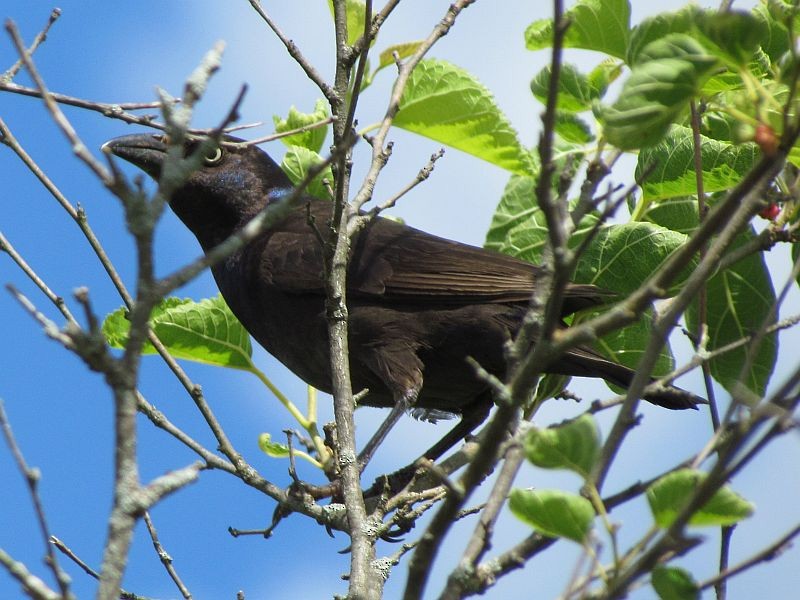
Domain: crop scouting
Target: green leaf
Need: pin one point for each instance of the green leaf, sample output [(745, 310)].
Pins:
[(447, 104), (669, 165), (674, 583), (775, 39), (604, 74), (575, 92), (619, 258), (658, 27), (573, 129), (519, 228), (205, 332), (311, 139), (628, 345), (669, 73), (553, 513), (670, 494), (272, 449), (356, 14), (404, 50), (296, 163), (550, 385), (574, 445), (678, 214), (739, 300), (600, 25), (622, 256), (735, 34)]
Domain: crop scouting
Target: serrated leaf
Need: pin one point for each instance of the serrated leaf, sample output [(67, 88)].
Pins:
[(574, 445), (447, 104), (272, 449), (674, 583), (670, 494), (730, 79), (519, 227), (296, 163), (553, 513), (669, 73), (739, 299), (600, 25), (204, 331), (619, 258), (575, 92), (622, 256), (311, 139), (670, 165)]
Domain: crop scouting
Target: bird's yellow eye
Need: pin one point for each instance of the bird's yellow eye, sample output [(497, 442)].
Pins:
[(213, 157)]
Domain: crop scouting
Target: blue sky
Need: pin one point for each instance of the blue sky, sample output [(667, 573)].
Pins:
[(119, 52)]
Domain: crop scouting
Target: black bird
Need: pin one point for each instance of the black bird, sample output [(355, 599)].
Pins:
[(419, 305)]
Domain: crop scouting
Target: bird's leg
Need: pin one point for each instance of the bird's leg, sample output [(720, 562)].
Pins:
[(402, 404), (473, 415)]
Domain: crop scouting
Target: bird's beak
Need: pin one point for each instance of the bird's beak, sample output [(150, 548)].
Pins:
[(146, 151)]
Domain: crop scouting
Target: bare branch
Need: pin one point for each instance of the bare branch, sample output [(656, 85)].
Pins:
[(78, 147), (37, 41), (165, 558), (31, 476)]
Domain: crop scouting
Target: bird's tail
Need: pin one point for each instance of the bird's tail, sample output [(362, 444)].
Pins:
[(584, 362)]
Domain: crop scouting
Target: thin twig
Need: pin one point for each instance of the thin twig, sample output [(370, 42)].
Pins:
[(423, 174), (767, 554), (32, 476), (37, 41), (78, 147), (165, 558), (57, 300), (294, 52)]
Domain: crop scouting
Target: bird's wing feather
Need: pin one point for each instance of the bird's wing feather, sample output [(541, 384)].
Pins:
[(395, 262)]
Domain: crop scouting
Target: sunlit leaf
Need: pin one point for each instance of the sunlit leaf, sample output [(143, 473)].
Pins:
[(204, 331), (574, 445), (600, 25), (670, 71), (447, 104), (674, 583), (553, 513), (296, 163), (270, 448), (313, 138), (669, 495), (670, 165)]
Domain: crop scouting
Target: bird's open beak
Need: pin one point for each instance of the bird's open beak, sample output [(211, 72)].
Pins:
[(146, 151)]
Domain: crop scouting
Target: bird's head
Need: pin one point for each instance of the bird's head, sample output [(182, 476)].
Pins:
[(233, 183)]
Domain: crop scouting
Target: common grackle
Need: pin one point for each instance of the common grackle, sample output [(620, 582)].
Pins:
[(418, 304)]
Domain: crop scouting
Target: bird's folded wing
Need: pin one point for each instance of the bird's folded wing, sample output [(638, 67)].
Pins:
[(391, 261)]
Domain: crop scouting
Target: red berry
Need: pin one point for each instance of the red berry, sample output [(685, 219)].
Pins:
[(766, 139), (770, 212)]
